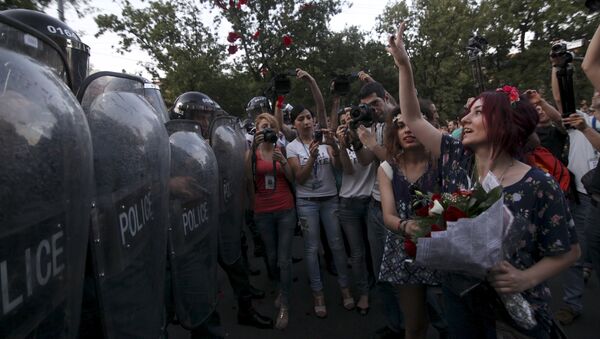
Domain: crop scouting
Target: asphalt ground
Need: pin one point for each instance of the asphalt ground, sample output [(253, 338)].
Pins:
[(340, 323)]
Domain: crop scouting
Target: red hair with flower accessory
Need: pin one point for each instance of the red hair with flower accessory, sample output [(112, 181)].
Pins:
[(511, 91)]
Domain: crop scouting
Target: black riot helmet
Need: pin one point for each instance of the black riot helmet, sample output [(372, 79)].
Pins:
[(196, 106), (256, 106), (77, 52)]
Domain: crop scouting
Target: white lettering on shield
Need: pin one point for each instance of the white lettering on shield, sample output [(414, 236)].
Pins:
[(133, 220), (194, 218), (42, 262)]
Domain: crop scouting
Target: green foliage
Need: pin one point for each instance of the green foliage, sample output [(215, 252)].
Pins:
[(190, 54)]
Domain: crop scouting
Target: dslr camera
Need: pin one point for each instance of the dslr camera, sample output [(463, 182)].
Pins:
[(281, 82), (361, 115), (269, 135)]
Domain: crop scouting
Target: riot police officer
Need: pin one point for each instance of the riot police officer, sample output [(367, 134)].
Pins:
[(228, 143), (47, 181)]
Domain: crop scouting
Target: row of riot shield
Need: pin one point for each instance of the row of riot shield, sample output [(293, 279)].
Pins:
[(101, 190)]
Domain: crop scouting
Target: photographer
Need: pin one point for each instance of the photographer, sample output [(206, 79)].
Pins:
[(582, 158), (355, 194), (269, 178), (312, 156), (550, 129), (591, 67), (374, 95)]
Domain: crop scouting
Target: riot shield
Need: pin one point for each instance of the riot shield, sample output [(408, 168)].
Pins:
[(119, 82), (130, 214), (229, 144), (194, 212), (45, 190)]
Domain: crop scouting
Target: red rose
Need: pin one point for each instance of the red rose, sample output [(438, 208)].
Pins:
[(232, 49), (256, 35), (464, 193), (423, 211), (436, 228), (410, 248), (287, 40), (436, 196), (452, 214), (232, 37)]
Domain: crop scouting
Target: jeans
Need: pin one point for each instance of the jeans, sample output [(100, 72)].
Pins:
[(574, 285), (309, 213), (277, 232), (387, 293), (353, 219), (592, 233)]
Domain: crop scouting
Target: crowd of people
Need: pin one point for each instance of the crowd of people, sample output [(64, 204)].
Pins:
[(356, 181), (351, 184)]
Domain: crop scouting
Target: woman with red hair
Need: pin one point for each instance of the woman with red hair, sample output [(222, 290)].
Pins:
[(495, 129)]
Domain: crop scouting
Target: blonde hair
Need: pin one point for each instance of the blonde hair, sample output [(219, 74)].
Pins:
[(270, 119)]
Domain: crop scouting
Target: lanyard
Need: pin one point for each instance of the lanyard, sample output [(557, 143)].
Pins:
[(315, 168)]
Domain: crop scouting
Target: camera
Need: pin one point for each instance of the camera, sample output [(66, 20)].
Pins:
[(361, 115), (319, 136), (560, 51), (281, 82), (341, 83), (475, 46), (269, 135)]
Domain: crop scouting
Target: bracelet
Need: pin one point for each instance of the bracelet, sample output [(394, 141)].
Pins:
[(402, 226), (283, 163)]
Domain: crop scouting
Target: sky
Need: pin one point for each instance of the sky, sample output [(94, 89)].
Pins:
[(103, 57)]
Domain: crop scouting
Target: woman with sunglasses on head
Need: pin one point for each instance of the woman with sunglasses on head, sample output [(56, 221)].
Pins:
[(409, 168), (312, 156), (269, 180), (495, 128)]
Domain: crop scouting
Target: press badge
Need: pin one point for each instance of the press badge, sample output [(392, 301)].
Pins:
[(269, 182)]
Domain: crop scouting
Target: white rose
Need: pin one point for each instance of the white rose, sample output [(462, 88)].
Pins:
[(437, 208)]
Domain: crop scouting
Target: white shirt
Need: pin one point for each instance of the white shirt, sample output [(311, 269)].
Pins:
[(360, 182), (321, 182), (379, 127), (582, 156)]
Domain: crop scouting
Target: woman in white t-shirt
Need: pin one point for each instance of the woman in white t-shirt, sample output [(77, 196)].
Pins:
[(312, 163), (355, 195)]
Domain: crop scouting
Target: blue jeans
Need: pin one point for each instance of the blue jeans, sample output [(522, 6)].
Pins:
[(277, 232), (309, 213), (386, 291), (574, 285), (353, 219)]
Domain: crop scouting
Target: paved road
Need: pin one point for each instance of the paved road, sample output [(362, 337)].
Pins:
[(348, 324)]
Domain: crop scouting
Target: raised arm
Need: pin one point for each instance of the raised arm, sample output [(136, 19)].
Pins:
[(427, 134), (591, 61), (333, 115), (289, 133), (317, 96)]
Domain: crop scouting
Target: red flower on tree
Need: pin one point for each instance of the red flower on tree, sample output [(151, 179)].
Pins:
[(287, 40), (232, 37), (256, 35), (232, 49)]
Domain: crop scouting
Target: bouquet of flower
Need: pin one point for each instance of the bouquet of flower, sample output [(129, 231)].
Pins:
[(434, 210), (469, 232)]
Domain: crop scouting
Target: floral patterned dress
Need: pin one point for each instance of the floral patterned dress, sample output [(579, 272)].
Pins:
[(543, 225), (396, 266)]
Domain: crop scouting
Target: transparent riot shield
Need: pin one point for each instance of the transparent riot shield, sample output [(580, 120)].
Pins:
[(45, 190), (194, 212), (119, 82), (229, 144), (130, 214)]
